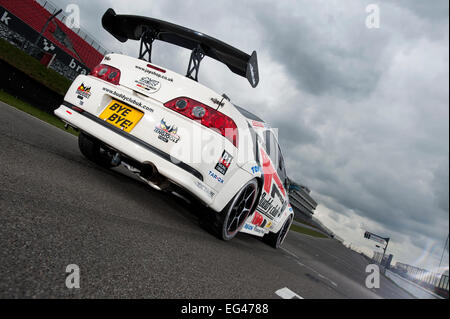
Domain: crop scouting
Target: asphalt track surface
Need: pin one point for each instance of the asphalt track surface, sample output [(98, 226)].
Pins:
[(130, 241)]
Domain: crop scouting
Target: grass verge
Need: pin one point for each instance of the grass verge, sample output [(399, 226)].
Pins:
[(307, 231), (34, 111), (33, 68), (305, 223)]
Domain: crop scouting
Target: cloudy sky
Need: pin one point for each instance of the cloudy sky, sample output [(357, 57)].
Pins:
[(363, 113)]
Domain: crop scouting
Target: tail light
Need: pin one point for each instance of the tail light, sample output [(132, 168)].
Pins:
[(106, 73), (206, 115)]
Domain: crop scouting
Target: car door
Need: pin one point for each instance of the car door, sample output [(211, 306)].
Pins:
[(273, 198), (284, 180)]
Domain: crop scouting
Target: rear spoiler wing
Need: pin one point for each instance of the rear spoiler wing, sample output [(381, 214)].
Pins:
[(124, 27)]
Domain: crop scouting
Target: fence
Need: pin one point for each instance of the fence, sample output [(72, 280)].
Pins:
[(52, 8), (24, 37), (414, 289)]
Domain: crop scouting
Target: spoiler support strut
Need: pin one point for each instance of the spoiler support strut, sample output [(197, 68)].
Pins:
[(146, 30), (146, 45), (197, 55)]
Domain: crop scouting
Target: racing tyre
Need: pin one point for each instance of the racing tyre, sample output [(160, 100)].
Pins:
[(230, 220), (276, 239), (92, 150)]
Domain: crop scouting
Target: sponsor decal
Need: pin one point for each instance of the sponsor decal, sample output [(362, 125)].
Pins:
[(276, 192), (224, 163), (258, 124), (5, 19), (128, 99), (258, 230), (252, 73), (154, 73), (217, 101), (257, 219), (269, 224), (107, 58), (270, 173), (77, 67), (266, 206), (48, 46), (148, 84), (256, 169), (263, 223), (167, 132), (249, 227), (83, 91), (284, 204), (204, 188), (217, 178)]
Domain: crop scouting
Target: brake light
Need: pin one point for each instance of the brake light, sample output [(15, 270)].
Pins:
[(156, 68), (207, 116), (106, 73)]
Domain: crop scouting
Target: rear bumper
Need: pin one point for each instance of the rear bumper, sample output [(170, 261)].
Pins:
[(176, 171)]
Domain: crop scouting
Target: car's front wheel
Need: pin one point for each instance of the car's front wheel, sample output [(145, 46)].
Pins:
[(91, 149), (230, 220), (276, 239)]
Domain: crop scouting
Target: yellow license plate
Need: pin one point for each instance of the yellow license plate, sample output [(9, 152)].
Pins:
[(121, 115)]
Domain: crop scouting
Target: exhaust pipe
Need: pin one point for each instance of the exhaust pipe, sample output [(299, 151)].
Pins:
[(150, 173)]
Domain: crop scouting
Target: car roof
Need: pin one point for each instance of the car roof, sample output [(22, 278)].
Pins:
[(248, 114)]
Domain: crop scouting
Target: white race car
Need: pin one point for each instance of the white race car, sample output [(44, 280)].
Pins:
[(171, 130)]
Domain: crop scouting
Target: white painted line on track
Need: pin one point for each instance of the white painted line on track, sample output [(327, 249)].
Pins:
[(313, 270), (318, 274), (290, 253), (38, 119), (286, 293)]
